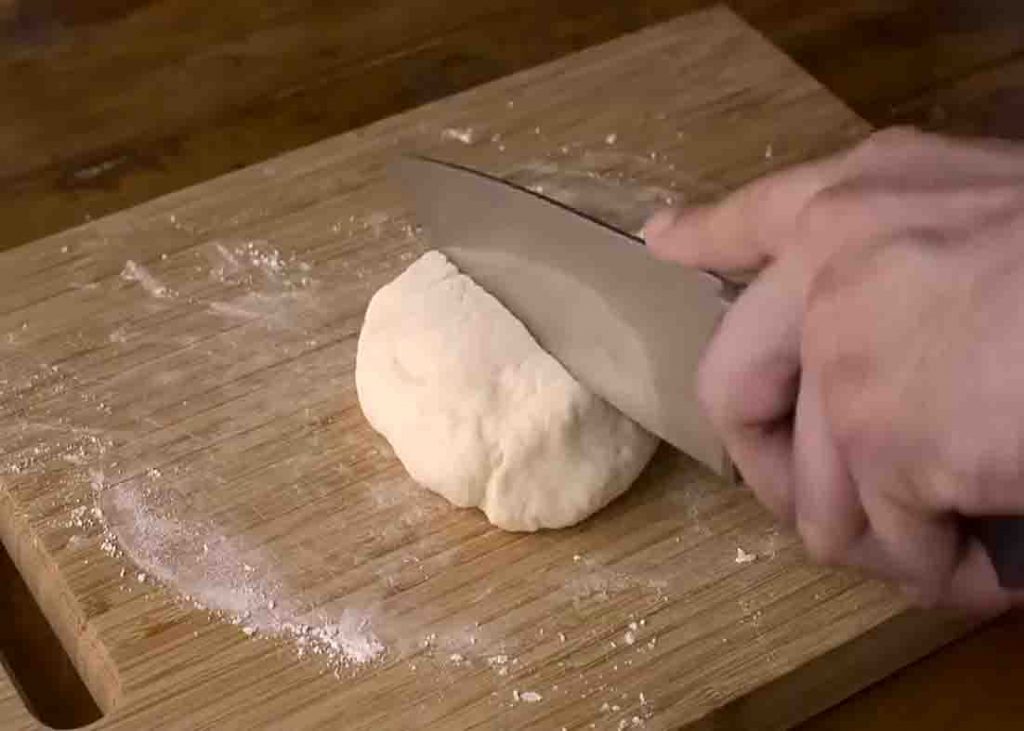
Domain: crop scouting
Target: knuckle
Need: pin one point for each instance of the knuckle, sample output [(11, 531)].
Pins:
[(955, 482), (860, 269), (972, 477), (832, 275), (944, 487), (844, 202), (826, 547), (892, 138), (709, 395), (924, 595), (857, 424), (884, 144), (826, 281), (1002, 199), (822, 212)]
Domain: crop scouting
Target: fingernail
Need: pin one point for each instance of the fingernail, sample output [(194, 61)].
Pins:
[(659, 223)]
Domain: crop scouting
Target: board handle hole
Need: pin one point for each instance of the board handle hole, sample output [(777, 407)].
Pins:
[(36, 661)]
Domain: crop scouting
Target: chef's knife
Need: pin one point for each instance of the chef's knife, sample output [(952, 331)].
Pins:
[(628, 326)]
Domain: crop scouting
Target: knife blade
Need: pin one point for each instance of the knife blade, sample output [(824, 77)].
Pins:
[(628, 326)]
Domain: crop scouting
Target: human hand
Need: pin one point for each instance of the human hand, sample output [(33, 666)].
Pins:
[(869, 383)]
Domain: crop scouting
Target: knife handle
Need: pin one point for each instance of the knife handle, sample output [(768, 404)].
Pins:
[(1003, 539)]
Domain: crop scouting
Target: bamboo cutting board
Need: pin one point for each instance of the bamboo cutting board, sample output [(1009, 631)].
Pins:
[(220, 540)]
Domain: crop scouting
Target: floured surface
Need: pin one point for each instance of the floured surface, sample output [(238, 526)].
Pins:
[(220, 538)]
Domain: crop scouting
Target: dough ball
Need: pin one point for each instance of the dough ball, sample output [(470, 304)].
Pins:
[(479, 413)]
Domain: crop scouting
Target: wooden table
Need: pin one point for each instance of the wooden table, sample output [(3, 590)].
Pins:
[(103, 116)]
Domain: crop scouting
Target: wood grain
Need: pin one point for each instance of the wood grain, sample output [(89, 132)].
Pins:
[(115, 102), (216, 389)]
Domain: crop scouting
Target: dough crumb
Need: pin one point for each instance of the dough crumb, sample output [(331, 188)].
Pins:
[(465, 135), (744, 557)]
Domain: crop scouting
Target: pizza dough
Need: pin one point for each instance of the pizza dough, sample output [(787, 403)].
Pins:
[(479, 413)]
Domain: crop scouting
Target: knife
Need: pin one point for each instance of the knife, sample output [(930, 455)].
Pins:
[(630, 327)]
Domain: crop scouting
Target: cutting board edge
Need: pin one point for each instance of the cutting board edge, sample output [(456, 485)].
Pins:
[(847, 669), (60, 607)]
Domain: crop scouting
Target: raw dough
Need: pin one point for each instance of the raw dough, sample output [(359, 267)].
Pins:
[(479, 413)]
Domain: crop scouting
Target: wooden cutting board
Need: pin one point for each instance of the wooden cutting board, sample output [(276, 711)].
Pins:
[(219, 538)]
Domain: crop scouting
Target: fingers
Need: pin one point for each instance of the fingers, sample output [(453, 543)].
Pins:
[(974, 586), (829, 515), (903, 153), (922, 546), (927, 559), (748, 382), (906, 544), (971, 585), (748, 228), (854, 195), (841, 522), (867, 210)]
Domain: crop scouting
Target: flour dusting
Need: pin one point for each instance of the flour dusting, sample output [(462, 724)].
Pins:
[(221, 574), (465, 135), (600, 582), (257, 264), (135, 272)]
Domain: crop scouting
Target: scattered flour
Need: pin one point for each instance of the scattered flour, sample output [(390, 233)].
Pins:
[(465, 135), (257, 264), (593, 185), (134, 272), (226, 577), (599, 582)]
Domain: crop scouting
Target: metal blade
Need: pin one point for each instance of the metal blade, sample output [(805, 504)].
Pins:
[(629, 327)]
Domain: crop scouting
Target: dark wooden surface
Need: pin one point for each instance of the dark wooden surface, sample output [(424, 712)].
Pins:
[(107, 103), (111, 102)]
